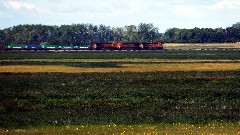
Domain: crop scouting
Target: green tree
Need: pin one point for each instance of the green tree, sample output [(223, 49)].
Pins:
[(148, 33), (131, 34)]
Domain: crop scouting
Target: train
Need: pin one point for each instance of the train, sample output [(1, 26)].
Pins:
[(95, 46)]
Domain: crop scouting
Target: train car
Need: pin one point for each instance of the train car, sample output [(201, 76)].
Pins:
[(152, 46), (82, 47), (104, 46), (132, 46), (129, 46), (62, 47), (3, 47), (50, 47), (24, 47), (33, 47), (16, 47)]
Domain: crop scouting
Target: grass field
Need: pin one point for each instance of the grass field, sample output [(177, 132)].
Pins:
[(163, 92), (132, 130), (163, 54), (118, 65), (200, 46)]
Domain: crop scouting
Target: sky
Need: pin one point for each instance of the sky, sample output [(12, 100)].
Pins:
[(164, 14)]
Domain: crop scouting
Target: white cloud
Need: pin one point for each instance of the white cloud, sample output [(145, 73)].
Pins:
[(230, 4), (186, 11), (20, 5)]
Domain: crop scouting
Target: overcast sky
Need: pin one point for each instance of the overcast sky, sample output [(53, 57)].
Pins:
[(164, 14)]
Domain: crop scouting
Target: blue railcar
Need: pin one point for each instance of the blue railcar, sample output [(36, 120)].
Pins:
[(33, 47)]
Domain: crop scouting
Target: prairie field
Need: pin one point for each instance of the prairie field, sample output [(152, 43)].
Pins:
[(131, 92), (200, 46), (119, 65), (127, 68), (131, 130)]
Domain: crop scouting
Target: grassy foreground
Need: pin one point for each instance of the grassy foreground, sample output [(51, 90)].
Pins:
[(163, 54), (178, 128), (38, 99), (164, 92)]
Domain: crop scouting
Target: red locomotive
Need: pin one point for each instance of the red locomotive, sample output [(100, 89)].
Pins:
[(105, 46), (127, 46)]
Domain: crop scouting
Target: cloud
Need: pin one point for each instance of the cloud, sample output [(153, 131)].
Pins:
[(230, 4), (186, 11), (20, 5), (16, 5), (106, 12)]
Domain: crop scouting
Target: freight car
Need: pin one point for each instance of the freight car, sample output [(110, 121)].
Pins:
[(16, 47), (24, 47), (63, 47)]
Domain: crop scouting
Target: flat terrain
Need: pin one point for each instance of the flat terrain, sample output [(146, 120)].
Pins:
[(131, 130), (201, 46), (164, 92), (119, 65)]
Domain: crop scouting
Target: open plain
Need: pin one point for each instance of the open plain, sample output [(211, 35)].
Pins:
[(131, 92)]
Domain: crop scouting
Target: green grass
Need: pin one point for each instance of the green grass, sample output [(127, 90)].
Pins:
[(69, 64), (111, 103), (40, 99), (163, 54)]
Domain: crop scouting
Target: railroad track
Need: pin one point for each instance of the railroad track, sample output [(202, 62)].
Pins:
[(185, 49)]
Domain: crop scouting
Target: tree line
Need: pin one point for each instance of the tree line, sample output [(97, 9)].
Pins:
[(85, 34), (203, 35)]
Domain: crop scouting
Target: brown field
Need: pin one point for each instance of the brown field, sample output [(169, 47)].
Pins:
[(127, 68), (165, 129), (135, 65), (207, 45)]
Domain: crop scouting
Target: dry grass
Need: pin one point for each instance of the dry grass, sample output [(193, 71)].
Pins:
[(137, 65), (183, 67), (207, 45), (131, 129), (128, 68)]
